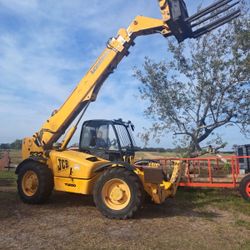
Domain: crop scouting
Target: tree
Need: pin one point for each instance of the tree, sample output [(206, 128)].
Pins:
[(17, 144), (206, 85), (5, 146)]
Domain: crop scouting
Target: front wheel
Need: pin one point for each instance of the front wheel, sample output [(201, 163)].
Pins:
[(245, 188), (118, 193), (34, 182)]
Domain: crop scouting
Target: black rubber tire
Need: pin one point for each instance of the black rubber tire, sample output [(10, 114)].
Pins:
[(243, 185), (136, 189), (45, 182)]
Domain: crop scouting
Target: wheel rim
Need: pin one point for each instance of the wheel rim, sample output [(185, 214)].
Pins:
[(30, 183), (248, 189), (116, 194)]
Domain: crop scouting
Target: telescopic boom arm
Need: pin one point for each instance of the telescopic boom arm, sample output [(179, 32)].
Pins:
[(175, 21), (88, 88)]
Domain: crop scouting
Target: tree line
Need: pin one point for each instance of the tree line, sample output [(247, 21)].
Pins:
[(17, 144)]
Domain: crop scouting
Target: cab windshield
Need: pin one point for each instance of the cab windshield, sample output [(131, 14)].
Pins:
[(105, 135)]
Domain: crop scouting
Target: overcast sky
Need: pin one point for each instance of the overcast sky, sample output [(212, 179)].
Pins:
[(46, 46)]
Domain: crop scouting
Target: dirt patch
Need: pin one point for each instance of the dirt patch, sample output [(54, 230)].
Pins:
[(71, 221)]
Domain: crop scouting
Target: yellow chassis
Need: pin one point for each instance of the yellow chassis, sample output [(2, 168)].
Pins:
[(77, 172)]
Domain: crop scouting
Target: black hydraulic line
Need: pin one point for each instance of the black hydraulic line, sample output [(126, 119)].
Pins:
[(83, 112)]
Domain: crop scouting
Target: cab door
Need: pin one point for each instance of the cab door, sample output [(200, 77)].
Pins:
[(98, 138)]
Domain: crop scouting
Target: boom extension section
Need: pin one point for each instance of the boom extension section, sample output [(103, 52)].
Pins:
[(175, 21)]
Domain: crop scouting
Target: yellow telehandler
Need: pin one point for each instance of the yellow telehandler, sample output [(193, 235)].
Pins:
[(103, 165)]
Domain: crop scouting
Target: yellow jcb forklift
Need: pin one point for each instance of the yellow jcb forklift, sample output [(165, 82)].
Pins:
[(103, 165)]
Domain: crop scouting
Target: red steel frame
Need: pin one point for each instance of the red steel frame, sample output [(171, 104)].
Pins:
[(211, 165)]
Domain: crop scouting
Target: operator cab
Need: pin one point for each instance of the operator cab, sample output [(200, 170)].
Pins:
[(111, 140)]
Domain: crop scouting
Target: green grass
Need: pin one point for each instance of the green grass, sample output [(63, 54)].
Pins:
[(243, 223), (224, 199), (245, 246), (7, 178), (5, 174), (147, 155)]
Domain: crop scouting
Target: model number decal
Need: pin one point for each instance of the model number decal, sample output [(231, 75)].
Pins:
[(62, 164), (70, 184)]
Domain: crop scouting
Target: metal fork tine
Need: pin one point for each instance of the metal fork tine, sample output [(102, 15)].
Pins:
[(215, 24), (208, 10), (215, 14)]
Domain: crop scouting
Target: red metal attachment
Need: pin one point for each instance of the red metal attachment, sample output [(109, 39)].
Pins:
[(213, 172), (248, 189)]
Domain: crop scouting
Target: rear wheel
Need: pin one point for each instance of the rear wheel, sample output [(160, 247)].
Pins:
[(245, 188), (118, 193), (34, 183)]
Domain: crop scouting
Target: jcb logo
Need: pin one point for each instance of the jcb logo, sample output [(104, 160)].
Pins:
[(62, 164)]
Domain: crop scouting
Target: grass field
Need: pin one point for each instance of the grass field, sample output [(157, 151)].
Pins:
[(152, 155), (194, 219), (15, 156)]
